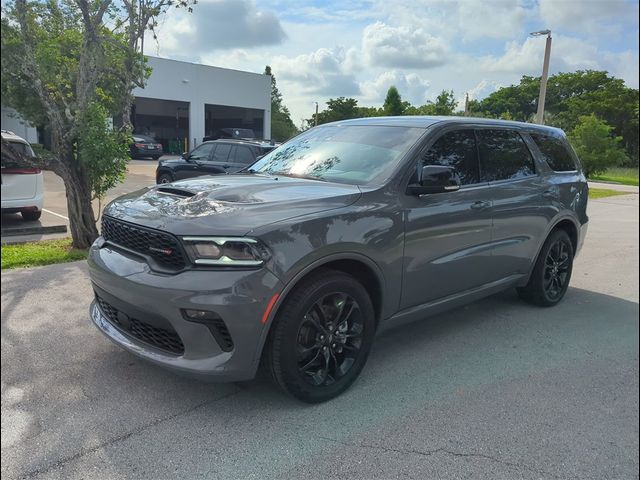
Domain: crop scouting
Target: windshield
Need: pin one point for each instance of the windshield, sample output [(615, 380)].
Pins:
[(355, 154)]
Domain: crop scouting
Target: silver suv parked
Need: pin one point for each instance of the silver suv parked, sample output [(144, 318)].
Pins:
[(346, 229)]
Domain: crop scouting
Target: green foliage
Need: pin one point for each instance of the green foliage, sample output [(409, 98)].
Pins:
[(393, 104), (282, 127), (624, 176), (595, 193), (340, 108), (570, 96), (40, 253), (102, 151), (597, 148)]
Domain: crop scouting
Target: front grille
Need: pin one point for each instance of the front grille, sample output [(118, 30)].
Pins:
[(163, 247), (161, 338)]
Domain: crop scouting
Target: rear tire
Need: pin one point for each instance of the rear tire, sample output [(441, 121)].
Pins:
[(321, 337), (164, 178), (31, 215), (551, 274)]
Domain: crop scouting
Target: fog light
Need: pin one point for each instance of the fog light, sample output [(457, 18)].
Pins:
[(200, 315)]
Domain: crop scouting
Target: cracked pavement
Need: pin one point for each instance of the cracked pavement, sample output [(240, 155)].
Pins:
[(497, 389)]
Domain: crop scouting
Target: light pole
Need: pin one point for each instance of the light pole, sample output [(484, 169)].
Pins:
[(316, 117), (545, 74)]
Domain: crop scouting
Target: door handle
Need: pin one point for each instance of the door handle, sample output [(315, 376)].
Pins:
[(549, 194), (480, 205)]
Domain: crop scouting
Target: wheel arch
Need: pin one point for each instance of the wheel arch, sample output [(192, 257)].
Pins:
[(566, 223), (359, 266)]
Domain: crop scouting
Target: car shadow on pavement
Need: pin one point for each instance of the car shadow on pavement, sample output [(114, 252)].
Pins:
[(70, 396)]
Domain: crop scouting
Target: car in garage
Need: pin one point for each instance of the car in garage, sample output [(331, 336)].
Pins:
[(213, 158), (144, 146), (349, 228), (22, 187)]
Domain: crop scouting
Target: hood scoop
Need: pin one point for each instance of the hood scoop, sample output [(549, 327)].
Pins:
[(176, 192)]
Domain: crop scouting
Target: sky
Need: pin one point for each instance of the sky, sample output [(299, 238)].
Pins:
[(356, 48)]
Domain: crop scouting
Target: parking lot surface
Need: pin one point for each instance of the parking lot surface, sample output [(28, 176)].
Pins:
[(498, 389)]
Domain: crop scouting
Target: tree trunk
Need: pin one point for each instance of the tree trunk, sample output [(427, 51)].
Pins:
[(82, 220)]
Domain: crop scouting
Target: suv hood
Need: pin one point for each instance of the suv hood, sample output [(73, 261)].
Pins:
[(228, 204)]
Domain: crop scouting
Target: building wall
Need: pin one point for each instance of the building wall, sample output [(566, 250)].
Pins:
[(201, 85), (13, 122)]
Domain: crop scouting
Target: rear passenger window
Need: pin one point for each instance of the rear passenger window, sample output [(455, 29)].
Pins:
[(456, 149), (555, 153), (503, 155), (243, 155)]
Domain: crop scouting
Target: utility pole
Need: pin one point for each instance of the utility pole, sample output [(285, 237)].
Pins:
[(545, 75), (316, 117), (466, 104)]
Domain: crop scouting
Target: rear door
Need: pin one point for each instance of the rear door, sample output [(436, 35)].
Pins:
[(241, 157), (19, 183), (521, 209), (448, 235), (219, 161)]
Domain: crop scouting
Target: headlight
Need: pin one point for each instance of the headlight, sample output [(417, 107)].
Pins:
[(225, 251)]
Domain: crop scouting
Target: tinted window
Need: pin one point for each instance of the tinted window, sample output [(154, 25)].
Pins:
[(202, 152), (222, 152), (356, 154), (243, 155), (503, 155), (555, 152), (458, 150)]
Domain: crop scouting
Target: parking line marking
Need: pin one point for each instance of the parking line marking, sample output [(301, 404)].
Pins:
[(54, 213)]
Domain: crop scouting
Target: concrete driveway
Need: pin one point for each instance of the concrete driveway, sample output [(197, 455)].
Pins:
[(497, 390)]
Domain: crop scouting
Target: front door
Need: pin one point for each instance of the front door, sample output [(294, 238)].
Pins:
[(448, 235), (193, 167)]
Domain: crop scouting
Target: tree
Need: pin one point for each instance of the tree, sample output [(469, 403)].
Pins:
[(570, 96), (393, 102), (282, 127), (340, 108), (596, 147), (67, 63)]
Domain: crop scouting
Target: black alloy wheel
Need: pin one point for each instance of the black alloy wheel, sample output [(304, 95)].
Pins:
[(551, 274), (329, 338), (321, 336)]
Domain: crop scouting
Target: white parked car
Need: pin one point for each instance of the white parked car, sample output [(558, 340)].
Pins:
[(22, 188)]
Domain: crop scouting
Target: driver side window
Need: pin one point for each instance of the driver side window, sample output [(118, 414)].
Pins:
[(202, 152), (456, 149)]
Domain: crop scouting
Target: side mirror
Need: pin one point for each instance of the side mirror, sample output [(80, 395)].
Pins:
[(435, 179), (185, 155)]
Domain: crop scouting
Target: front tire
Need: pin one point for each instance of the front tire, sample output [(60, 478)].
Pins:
[(321, 337), (164, 178), (551, 274)]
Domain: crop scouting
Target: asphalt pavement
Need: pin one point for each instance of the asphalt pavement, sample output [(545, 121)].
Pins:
[(498, 389)]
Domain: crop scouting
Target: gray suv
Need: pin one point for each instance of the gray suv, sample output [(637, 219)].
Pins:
[(347, 229)]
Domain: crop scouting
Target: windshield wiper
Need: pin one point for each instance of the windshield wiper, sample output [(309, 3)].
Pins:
[(305, 177)]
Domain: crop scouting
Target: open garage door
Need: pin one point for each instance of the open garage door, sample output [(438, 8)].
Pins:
[(222, 121), (165, 120)]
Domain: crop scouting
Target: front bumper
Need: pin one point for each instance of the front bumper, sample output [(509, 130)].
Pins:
[(158, 300)]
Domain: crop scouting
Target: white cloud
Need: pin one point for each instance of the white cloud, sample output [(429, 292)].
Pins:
[(324, 71), (412, 87), (217, 25), (578, 15), (498, 19), (401, 47)]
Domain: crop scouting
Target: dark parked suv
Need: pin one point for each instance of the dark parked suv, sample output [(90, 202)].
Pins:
[(212, 158), (346, 229)]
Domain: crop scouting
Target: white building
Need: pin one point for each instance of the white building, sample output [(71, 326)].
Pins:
[(184, 102), (12, 121)]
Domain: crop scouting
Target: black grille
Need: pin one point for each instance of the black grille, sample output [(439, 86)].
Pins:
[(167, 340), (223, 336), (163, 247)]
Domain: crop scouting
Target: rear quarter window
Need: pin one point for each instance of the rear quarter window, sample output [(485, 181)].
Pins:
[(555, 152)]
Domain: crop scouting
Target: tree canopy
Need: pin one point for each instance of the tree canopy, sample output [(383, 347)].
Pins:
[(282, 127)]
